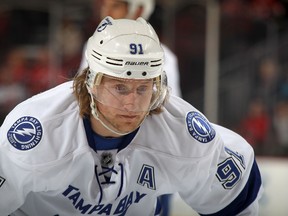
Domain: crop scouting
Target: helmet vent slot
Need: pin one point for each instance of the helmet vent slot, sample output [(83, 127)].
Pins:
[(96, 55), (156, 63), (113, 61)]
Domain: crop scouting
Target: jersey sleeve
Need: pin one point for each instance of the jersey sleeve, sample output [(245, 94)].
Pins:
[(12, 180), (19, 174), (15, 177), (228, 179)]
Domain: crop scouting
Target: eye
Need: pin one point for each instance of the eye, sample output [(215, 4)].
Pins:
[(142, 89), (121, 89)]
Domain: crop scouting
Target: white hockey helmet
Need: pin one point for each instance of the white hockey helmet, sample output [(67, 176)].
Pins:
[(124, 48), (148, 7)]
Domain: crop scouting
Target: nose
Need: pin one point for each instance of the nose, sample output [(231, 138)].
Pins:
[(131, 102)]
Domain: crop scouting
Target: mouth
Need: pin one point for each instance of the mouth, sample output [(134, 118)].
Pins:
[(129, 116)]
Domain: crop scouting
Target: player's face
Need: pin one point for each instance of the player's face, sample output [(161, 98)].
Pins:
[(114, 8), (123, 103)]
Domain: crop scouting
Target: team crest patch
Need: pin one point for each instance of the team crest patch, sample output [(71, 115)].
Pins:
[(25, 133), (199, 127)]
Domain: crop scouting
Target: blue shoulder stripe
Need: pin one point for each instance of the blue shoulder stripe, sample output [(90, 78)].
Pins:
[(245, 198)]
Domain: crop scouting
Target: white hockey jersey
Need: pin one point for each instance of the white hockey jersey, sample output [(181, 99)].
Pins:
[(49, 167)]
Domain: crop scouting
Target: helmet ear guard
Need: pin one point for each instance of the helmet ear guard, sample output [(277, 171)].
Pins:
[(163, 91)]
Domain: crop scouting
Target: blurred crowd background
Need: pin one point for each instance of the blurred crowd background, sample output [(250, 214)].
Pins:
[(42, 40)]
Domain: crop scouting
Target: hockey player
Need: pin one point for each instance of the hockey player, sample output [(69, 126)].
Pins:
[(133, 9), (112, 141)]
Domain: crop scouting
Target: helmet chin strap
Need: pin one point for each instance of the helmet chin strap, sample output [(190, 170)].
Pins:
[(95, 114)]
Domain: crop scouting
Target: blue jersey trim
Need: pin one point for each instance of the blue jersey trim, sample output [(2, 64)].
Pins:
[(245, 198), (106, 143)]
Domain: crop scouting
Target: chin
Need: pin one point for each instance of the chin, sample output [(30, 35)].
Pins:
[(128, 128)]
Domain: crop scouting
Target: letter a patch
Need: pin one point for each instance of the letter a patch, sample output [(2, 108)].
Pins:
[(147, 177)]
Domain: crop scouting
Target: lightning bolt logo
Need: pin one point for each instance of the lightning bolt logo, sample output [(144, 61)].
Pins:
[(25, 133), (199, 127), (103, 25)]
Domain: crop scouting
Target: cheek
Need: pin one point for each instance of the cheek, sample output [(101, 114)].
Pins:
[(147, 100), (104, 110), (107, 98), (108, 111)]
